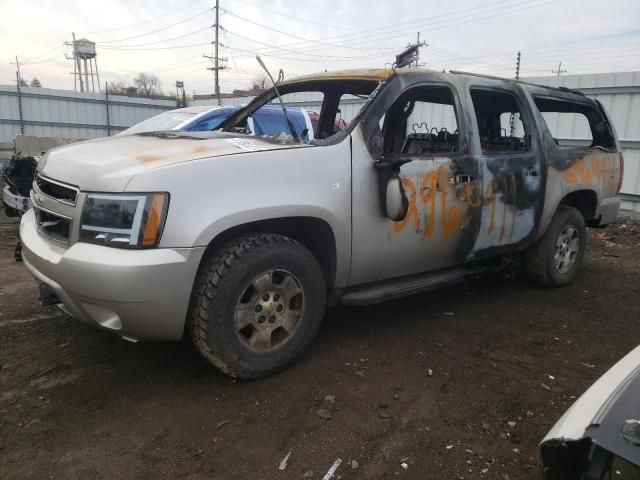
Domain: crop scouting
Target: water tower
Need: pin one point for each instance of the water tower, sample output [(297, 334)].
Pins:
[(84, 61)]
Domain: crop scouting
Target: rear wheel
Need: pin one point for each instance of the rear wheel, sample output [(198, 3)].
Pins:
[(556, 259), (257, 305)]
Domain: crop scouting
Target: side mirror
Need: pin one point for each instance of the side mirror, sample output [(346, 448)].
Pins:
[(396, 201), (393, 198)]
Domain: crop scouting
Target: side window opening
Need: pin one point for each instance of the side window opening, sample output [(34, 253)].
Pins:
[(500, 123), (422, 121), (573, 124)]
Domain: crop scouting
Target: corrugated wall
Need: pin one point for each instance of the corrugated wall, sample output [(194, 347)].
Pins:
[(63, 113)]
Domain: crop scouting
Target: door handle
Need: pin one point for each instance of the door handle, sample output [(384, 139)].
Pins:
[(460, 179)]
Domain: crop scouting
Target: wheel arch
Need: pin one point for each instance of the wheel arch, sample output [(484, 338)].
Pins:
[(314, 233), (585, 200)]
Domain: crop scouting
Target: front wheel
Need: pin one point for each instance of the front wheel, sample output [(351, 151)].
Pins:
[(257, 304), (556, 259)]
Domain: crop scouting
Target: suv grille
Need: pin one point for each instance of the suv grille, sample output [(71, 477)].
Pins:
[(54, 226), (56, 190)]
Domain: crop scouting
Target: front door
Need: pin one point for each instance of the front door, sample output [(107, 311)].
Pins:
[(420, 128)]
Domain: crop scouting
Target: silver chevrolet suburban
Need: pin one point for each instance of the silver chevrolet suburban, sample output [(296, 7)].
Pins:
[(240, 241)]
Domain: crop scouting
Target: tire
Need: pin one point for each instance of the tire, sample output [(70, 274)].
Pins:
[(231, 290), (542, 264)]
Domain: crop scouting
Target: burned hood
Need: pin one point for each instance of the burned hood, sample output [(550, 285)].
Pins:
[(107, 164)]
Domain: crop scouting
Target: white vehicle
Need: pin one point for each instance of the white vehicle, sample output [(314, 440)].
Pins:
[(600, 428)]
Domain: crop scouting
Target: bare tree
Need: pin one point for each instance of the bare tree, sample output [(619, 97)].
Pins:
[(23, 82), (148, 85), (117, 87), (260, 83)]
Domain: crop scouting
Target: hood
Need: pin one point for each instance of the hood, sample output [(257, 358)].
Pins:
[(108, 164)]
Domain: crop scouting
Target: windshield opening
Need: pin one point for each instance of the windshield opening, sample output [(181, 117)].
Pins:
[(318, 110), (162, 122)]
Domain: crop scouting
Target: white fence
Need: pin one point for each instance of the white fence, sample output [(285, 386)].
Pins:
[(47, 112), (64, 113)]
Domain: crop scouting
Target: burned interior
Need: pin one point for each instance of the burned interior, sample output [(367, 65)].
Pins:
[(407, 124), (497, 113)]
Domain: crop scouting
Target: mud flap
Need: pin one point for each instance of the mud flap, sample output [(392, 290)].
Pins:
[(47, 296)]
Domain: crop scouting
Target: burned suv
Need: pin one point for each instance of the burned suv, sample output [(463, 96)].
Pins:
[(241, 241)]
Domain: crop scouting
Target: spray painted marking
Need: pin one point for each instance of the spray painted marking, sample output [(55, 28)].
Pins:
[(593, 169), (244, 144), (432, 193)]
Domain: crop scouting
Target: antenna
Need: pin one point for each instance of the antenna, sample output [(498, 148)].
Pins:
[(275, 87)]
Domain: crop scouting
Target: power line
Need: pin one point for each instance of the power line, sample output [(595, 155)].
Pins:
[(365, 35), (143, 22), (292, 17), (307, 40), (157, 30), (156, 48), (126, 47), (299, 52)]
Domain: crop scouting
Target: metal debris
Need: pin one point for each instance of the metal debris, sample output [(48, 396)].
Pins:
[(332, 470), (283, 463)]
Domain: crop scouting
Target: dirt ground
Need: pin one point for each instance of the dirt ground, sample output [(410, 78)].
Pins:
[(427, 387)]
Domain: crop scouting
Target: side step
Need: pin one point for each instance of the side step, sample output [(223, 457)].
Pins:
[(378, 292)]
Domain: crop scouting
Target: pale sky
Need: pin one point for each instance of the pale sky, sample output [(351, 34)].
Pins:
[(587, 36)]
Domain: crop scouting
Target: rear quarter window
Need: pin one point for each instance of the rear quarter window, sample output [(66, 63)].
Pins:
[(575, 124)]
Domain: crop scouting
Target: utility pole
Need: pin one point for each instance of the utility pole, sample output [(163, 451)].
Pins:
[(17, 64), (512, 119), (18, 79), (216, 58), (559, 71), (419, 44)]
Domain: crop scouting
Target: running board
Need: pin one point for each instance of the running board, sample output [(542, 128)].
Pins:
[(378, 292)]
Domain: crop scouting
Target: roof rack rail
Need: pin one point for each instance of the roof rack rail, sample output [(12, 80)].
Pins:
[(513, 80)]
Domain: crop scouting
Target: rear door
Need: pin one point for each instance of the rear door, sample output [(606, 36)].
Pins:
[(512, 164)]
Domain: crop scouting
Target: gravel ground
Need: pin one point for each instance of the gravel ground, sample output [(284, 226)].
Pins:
[(458, 383)]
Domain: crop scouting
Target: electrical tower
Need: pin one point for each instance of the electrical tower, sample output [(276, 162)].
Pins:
[(559, 71), (218, 63), (84, 58)]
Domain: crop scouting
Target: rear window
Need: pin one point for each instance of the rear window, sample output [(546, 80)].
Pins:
[(574, 124)]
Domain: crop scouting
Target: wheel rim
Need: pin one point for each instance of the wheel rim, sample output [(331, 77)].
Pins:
[(269, 311), (567, 247)]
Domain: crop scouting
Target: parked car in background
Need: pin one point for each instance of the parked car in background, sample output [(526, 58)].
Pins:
[(241, 240), (268, 120), (600, 433)]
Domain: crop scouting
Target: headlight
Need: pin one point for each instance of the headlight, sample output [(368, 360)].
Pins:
[(124, 221)]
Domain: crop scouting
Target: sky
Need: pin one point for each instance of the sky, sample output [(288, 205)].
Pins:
[(168, 38)]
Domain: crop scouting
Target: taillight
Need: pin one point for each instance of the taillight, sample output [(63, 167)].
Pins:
[(621, 173)]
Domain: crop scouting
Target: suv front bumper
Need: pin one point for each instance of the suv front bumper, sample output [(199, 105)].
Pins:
[(138, 294), (15, 202)]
